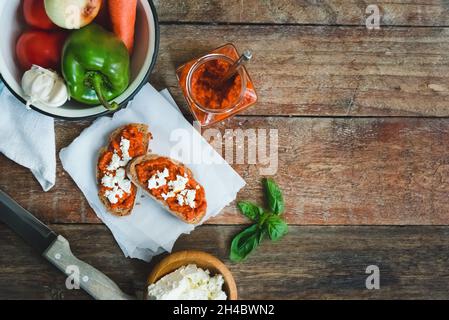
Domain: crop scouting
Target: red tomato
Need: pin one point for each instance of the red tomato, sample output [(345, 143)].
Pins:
[(36, 16), (41, 48)]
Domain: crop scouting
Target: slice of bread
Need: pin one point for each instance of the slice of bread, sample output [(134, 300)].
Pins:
[(113, 136), (132, 174), (141, 127)]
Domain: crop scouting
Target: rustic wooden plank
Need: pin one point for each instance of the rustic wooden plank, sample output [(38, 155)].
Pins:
[(351, 12), (320, 71), (310, 263), (333, 172)]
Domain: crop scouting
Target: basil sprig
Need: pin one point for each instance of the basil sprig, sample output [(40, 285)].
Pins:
[(274, 196), (266, 222)]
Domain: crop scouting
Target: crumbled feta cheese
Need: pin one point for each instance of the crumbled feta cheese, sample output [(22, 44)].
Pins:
[(190, 198), (114, 194), (108, 181), (118, 183), (158, 180), (179, 184), (152, 183), (171, 194), (125, 185), (187, 197), (188, 283), (165, 173), (122, 182), (177, 188), (115, 162), (180, 199), (124, 147)]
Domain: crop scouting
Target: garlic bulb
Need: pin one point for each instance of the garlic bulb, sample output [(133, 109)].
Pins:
[(44, 86)]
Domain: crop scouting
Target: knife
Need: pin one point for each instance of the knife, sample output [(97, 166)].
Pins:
[(56, 249)]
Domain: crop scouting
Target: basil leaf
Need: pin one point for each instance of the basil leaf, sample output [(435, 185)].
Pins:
[(276, 227), (274, 196), (250, 210), (262, 235), (244, 243)]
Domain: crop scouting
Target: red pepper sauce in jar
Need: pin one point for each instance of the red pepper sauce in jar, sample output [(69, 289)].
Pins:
[(207, 90), (209, 99)]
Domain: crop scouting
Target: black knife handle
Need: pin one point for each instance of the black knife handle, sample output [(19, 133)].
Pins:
[(89, 279)]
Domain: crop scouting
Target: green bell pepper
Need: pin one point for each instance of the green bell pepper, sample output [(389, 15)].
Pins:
[(96, 66)]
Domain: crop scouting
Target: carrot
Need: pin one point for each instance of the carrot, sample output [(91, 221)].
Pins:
[(123, 20)]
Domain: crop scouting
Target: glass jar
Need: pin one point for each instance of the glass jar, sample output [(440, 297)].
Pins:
[(210, 99)]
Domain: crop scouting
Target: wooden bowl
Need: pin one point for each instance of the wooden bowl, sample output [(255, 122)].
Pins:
[(203, 260)]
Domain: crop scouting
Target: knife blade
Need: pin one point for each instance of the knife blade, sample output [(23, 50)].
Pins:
[(33, 231), (56, 249)]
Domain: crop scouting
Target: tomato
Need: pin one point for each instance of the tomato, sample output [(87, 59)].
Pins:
[(36, 16), (41, 48)]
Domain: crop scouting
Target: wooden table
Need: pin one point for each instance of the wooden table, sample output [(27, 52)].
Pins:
[(363, 126)]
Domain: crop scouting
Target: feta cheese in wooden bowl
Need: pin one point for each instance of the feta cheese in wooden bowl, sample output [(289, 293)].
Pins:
[(191, 275)]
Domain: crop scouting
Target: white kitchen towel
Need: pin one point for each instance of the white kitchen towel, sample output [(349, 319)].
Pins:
[(28, 138), (150, 229)]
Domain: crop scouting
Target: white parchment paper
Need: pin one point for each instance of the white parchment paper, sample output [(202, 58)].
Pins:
[(150, 229)]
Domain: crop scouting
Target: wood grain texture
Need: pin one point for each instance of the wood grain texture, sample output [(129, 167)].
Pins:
[(327, 12), (309, 263), (333, 172), (312, 59), (319, 71)]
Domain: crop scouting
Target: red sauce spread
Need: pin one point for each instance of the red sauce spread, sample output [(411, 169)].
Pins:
[(207, 89), (137, 148), (125, 202), (148, 169)]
